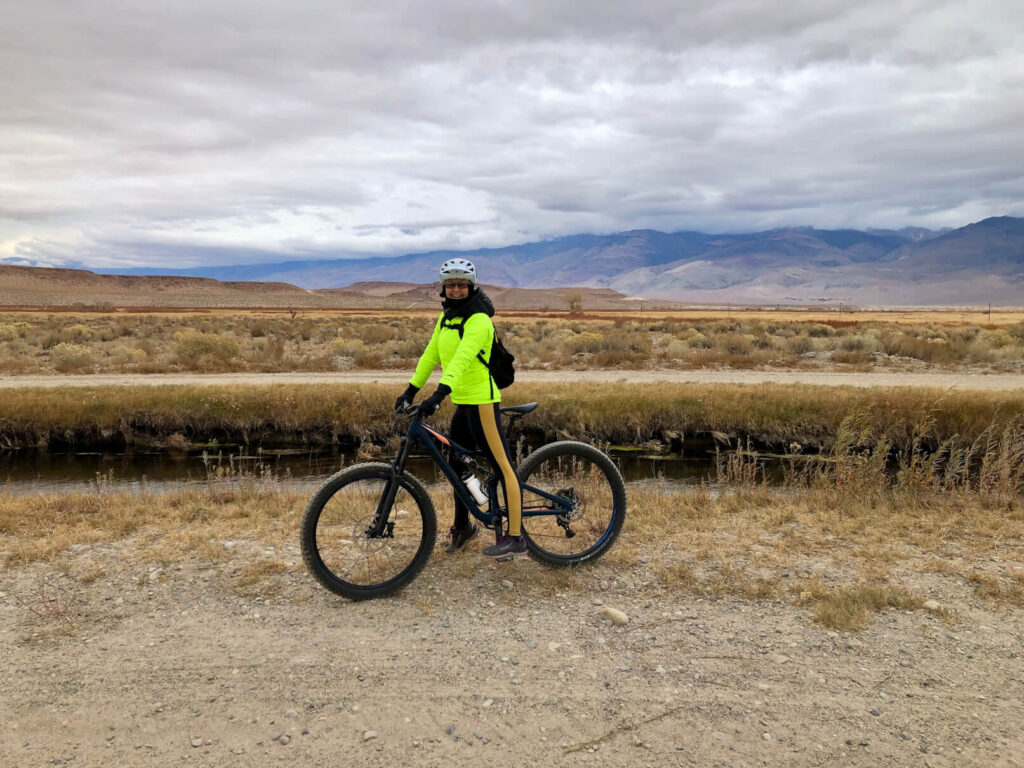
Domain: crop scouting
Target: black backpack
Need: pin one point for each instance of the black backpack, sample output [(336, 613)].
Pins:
[(502, 365)]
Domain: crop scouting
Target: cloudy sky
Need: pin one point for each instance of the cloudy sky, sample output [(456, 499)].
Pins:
[(223, 131)]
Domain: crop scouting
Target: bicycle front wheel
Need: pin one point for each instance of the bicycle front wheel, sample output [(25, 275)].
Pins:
[(589, 480), (340, 551)]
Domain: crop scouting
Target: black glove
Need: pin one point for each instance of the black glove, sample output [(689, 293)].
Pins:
[(405, 399), (430, 406)]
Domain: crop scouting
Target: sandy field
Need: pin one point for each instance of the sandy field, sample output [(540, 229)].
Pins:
[(154, 666), (981, 381)]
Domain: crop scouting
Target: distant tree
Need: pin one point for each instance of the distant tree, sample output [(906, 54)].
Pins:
[(575, 302)]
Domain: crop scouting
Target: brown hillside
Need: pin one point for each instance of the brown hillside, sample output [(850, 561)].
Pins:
[(50, 287)]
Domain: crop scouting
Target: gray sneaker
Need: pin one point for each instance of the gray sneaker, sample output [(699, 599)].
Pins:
[(507, 546), (459, 538)]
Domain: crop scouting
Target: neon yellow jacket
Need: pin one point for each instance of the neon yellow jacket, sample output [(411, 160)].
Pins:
[(461, 369)]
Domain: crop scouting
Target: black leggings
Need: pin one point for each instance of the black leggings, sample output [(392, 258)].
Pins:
[(478, 427)]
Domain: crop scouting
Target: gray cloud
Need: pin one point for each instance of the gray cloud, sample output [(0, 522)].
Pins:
[(187, 132)]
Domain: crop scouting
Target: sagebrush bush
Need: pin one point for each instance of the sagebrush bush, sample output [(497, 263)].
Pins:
[(347, 347), (129, 356), (192, 346), (734, 344), (76, 333), (800, 345), (66, 357)]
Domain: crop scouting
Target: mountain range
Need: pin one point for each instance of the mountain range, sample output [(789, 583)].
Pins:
[(979, 263)]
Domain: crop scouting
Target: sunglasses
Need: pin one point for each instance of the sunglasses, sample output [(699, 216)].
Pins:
[(457, 284)]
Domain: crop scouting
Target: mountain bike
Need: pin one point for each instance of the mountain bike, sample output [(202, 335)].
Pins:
[(370, 528)]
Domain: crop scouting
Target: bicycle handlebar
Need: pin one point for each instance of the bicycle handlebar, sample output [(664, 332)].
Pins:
[(409, 409)]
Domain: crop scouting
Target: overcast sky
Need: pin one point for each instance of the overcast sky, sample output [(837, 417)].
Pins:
[(198, 132)]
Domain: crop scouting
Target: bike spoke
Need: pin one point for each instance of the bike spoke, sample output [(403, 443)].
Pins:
[(346, 549), (588, 512)]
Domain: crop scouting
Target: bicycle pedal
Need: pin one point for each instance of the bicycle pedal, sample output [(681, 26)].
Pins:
[(508, 558)]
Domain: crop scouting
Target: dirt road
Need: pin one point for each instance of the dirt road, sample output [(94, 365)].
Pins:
[(182, 665), (974, 381)]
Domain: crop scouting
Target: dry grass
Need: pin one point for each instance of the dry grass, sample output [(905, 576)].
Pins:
[(845, 550), (260, 341), (850, 608)]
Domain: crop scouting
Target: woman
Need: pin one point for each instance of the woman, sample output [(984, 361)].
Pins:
[(463, 330)]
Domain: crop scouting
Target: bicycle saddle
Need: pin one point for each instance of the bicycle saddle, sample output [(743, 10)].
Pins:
[(522, 410)]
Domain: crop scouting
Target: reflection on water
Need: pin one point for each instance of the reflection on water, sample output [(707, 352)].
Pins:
[(141, 472)]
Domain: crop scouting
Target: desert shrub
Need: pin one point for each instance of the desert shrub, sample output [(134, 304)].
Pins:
[(1016, 331), (699, 341), (585, 342), (800, 345), (685, 333), (375, 333), (346, 347), (192, 345), (407, 348), (76, 333), (8, 332), (124, 326), (762, 340), (268, 350), (676, 349), (66, 357), (128, 356), (928, 350), (660, 340), (852, 357), (996, 339), (734, 344), (49, 339), (819, 330), (612, 358), (369, 359), (967, 333), (858, 343), (305, 330)]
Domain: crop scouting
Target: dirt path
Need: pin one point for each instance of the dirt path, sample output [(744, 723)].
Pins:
[(184, 666), (974, 381)]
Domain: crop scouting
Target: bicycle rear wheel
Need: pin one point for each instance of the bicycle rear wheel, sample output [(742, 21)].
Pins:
[(588, 477), (341, 554)]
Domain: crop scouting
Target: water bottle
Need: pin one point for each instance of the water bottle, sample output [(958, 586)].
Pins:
[(473, 484)]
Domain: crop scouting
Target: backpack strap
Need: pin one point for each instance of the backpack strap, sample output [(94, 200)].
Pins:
[(461, 328)]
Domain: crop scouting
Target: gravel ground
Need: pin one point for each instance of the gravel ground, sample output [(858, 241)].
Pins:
[(180, 665)]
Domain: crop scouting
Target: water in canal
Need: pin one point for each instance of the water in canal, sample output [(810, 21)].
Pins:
[(156, 472)]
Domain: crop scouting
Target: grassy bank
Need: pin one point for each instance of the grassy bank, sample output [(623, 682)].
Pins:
[(774, 416)]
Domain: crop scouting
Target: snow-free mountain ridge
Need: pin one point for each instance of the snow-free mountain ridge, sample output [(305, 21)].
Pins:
[(977, 263)]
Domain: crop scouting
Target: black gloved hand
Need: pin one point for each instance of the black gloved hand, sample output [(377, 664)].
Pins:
[(430, 406), (405, 399)]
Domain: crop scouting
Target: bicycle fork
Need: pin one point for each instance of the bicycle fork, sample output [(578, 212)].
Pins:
[(382, 527)]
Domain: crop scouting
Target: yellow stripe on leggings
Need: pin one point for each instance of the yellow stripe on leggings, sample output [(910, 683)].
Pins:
[(513, 499)]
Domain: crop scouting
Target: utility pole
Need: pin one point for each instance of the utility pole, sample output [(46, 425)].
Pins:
[(990, 313)]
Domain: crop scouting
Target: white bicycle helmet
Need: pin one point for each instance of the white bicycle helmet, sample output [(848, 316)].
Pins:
[(458, 269)]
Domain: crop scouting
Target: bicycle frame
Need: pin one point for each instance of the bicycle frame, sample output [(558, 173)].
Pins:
[(430, 438)]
